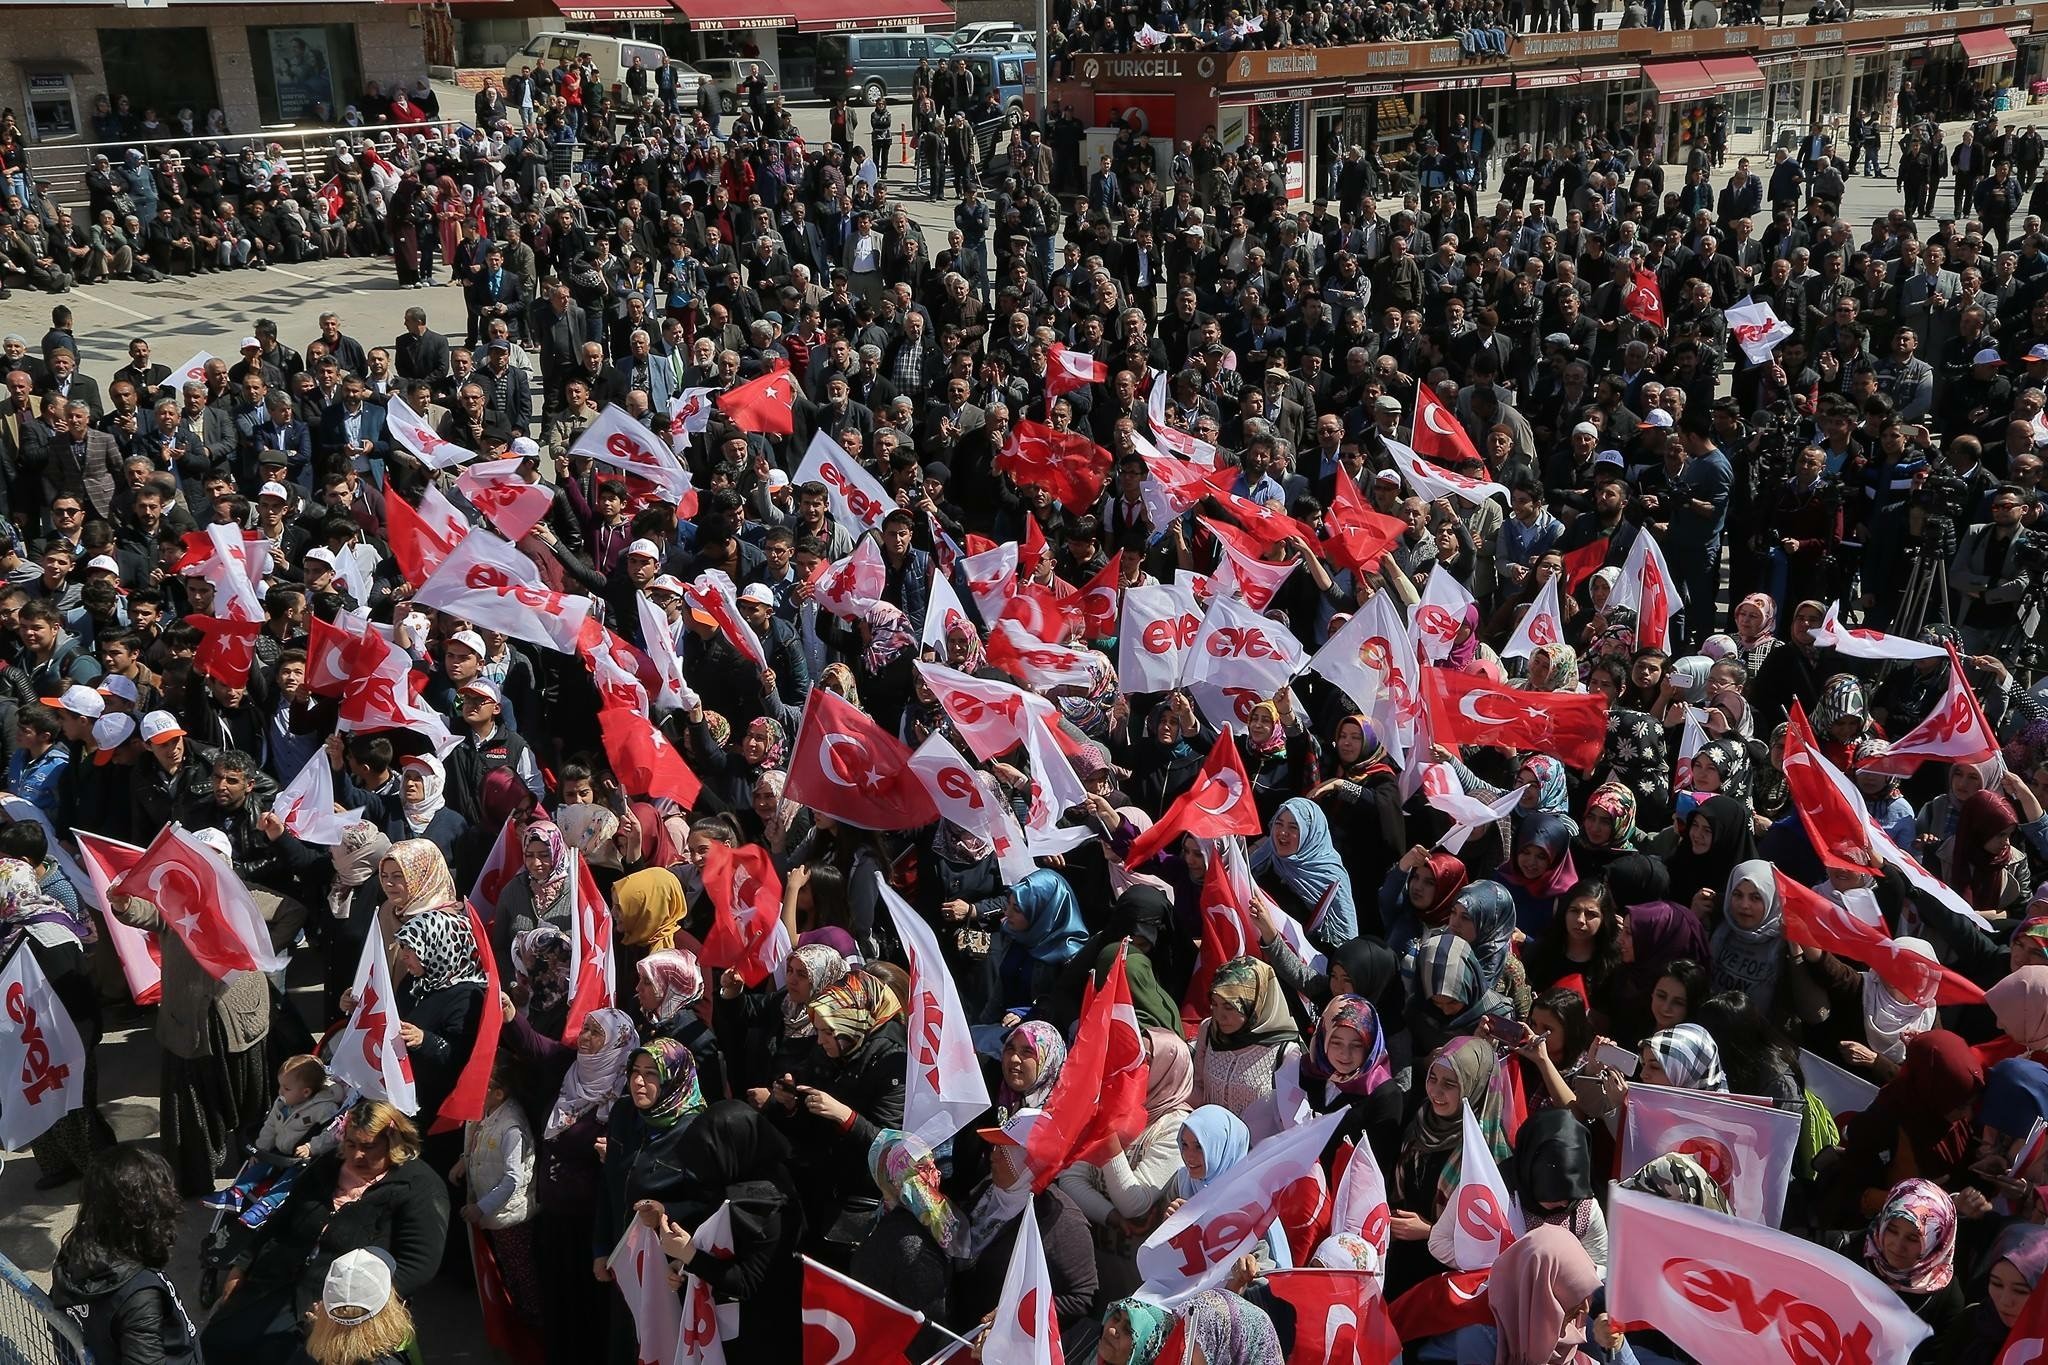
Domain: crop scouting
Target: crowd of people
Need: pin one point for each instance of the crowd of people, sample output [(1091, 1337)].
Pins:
[(914, 489)]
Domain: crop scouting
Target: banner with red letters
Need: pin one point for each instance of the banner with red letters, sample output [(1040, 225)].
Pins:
[(858, 500), (488, 582), (1160, 622), (944, 1090), (1484, 1218), (42, 1058)]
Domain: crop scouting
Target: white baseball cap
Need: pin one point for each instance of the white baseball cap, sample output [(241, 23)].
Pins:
[(643, 547), (80, 700), (758, 592), (110, 732), (103, 562), (470, 641), (321, 554), (114, 685), (216, 841), (249, 343), (525, 448), (667, 583), (358, 1286), (276, 490), (1657, 417), (159, 726)]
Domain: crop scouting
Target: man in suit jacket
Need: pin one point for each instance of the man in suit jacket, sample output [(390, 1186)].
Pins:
[(640, 368), (356, 427), (606, 384), (420, 351), (81, 460), (806, 244), (496, 293), (67, 383), (1927, 299), (151, 381), (560, 329)]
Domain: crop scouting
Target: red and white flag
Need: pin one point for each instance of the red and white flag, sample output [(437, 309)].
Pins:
[(495, 488), (192, 371), (42, 1057), (1729, 1292), (849, 588), (991, 715), (766, 405), (992, 578), (1437, 433), (2027, 1343), (847, 1323), (706, 1323), (1955, 731), (330, 648), (1263, 523), (141, 957), (1109, 1020), (1644, 300), (414, 433), (1218, 803), (1254, 580), (1373, 660), (1542, 624), (1237, 647), (307, 805), (490, 583), (640, 1269), (944, 615), (1171, 438), (747, 933), (944, 1089), (1339, 1318), (1172, 485), (421, 537), (660, 640), (369, 1054), (465, 1100), (857, 499), (590, 947), (1443, 1303), (1466, 709), (1814, 921), (1065, 463), (1439, 617), (1485, 1218), (1445, 790), (847, 766), (619, 440), (971, 800), (1433, 481), (499, 869), (1647, 587), (713, 594), (1860, 643), (1691, 739), (1026, 1329), (1196, 1246), (690, 413), (615, 668), (1055, 789), (384, 694), (1098, 601), (1013, 649), (1360, 1206), (1156, 636), (204, 903), (1066, 371), (1746, 1147), (1355, 536), (1757, 329), (1229, 929)]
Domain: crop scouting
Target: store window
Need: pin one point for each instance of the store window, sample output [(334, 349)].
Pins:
[(165, 69), (305, 74)]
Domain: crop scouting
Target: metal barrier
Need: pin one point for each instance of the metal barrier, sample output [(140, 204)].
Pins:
[(64, 164), (34, 1331)]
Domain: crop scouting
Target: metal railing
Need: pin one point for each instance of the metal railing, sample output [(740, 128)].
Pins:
[(64, 164), (34, 1331)]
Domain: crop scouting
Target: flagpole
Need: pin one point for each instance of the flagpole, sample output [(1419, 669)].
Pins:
[(958, 1340)]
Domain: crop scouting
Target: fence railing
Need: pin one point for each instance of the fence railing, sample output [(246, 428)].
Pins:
[(34, 1331)]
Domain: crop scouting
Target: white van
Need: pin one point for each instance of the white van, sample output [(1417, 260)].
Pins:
[(613, 57)]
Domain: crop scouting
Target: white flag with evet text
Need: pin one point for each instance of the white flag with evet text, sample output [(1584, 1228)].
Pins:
[(944, 1089), (42, 1058)]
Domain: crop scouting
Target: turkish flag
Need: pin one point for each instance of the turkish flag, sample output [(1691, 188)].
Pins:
[(1542, 624), (1220, 802), (1582, 563), (1228, 929), (847, 1323), (853, 770), (1066, 371), (368, 1052), (1066, 463), (466, 1100), (1955, 731), (1339, 1318), (850, 587), (499, 869), (419, 541), (1012, 649), (614, 669), (1862, 643), (1043, 613), (330, 195), (766, 405), (1814, 921), (2027, 1343), (513, 505), (140, 955), (1467, 709), (331, 648), (1357, 535), (643, 760), (1109, 1023), (1031, 553), (1647, 587), (203, 902), (747, 933), (943, 1086), (228, 650), (1026, 1328), (640, 1270), (1099, 602), (1438, 434), (1257, 581), (1644, 300), (383, 694), (1442, 1303), (1261, 522), (412, 432), (590, 947)]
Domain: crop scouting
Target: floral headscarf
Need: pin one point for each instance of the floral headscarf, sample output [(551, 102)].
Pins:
[(1552, 796), (363, 846), (677, 1089), (1615, 801), (1731, 760), (446, 951), (906, 1174), (1355, 1013), (542, 957), (719, 728), (1841, 698), (1249, 985), (428, 886), (839, 678), (25, 907), (556, 880), (594, 1079), (778, 742), (1276, 738), (1926, 1206), (1564, 668), (1050, 1049), (891, 636), (853, 1007), (1769, 611)]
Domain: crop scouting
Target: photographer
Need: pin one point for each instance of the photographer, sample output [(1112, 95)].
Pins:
[(1990, 574)]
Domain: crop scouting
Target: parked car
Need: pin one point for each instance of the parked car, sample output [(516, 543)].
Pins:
[(866, 66), (728, 74), (995, 33), (613, 56), (1012, 75)]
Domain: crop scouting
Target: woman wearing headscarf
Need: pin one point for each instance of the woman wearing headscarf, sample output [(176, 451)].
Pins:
[(961, 889), (1607, 831), (733, 1156), (784, 822), (56, 938), (1225, 1327), (729, 765), (1917, 1125), (353, 896), (440, 1000), (1756, 625), (1715, 837), (1120, 1195), (1484, 916), (850, 1090), (1911, 1245), (1464, 1071), (2010, 1271), (1278, 758), (1246, 1045), (1449, 992), (1882, 799), (575, 1088), (1748, 946), (1554, 668), (1360, 792), (1654, 934), (2019, 1004), (1551, 1174), (640, 1154), (1347, 1067), (1685, 1057), (1636, 758), (1985, 859), (1680, 1179), (767, 1036), (1041, 931), (1213, 1140), (882, 669), (415, 879), (1133, 1332), (1539, 871), (1417, 895), (909, 1255), (1722, 765), (1540, 1292), (422, 811), (647, 910), (540, 893), (1866, 1020), (1170, 753), (1299, 867), (669, 987)]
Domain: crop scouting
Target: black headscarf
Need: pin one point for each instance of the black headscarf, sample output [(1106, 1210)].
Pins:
[(1638, 879), (1375, 973), (1729, 821), (1553, 1161), (731, 1144)]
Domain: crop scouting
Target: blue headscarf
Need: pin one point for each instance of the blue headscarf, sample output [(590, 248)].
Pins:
[(1224, 1140), (1492, 911), (1552, 795), (1054, 931), (2015, 1094), (1314, 869)]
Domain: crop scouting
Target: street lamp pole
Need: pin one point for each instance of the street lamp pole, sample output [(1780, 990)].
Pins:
[(1044, 61)]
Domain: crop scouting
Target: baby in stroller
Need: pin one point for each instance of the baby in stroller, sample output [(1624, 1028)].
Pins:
[(299, 1127)]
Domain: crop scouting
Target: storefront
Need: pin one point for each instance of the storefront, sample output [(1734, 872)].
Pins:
[(1548, 104)]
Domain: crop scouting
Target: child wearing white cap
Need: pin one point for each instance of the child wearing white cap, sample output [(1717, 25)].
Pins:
[(359, 1319)]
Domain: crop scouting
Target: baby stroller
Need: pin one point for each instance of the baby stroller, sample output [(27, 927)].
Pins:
[(259, 1189)]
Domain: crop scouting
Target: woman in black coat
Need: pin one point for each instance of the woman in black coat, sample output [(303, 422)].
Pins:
[(850, 1092), (110, 1268), (909, 1255), (373, 1193), (440, 1002)]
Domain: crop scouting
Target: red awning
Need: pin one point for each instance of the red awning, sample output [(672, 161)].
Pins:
[(1679, 81), (1987, 46), (724, 16), (1734, 74), (842, 16), (612, 13)]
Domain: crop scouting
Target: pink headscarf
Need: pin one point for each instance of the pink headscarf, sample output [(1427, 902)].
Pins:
[(675, 973), (1539, 1281), (2020, 1005)]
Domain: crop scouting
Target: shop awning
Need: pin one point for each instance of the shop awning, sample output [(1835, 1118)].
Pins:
[(725, 16), (614, 13), (1987, 46), (841, 16), (1678, 81), (1734, 74)]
